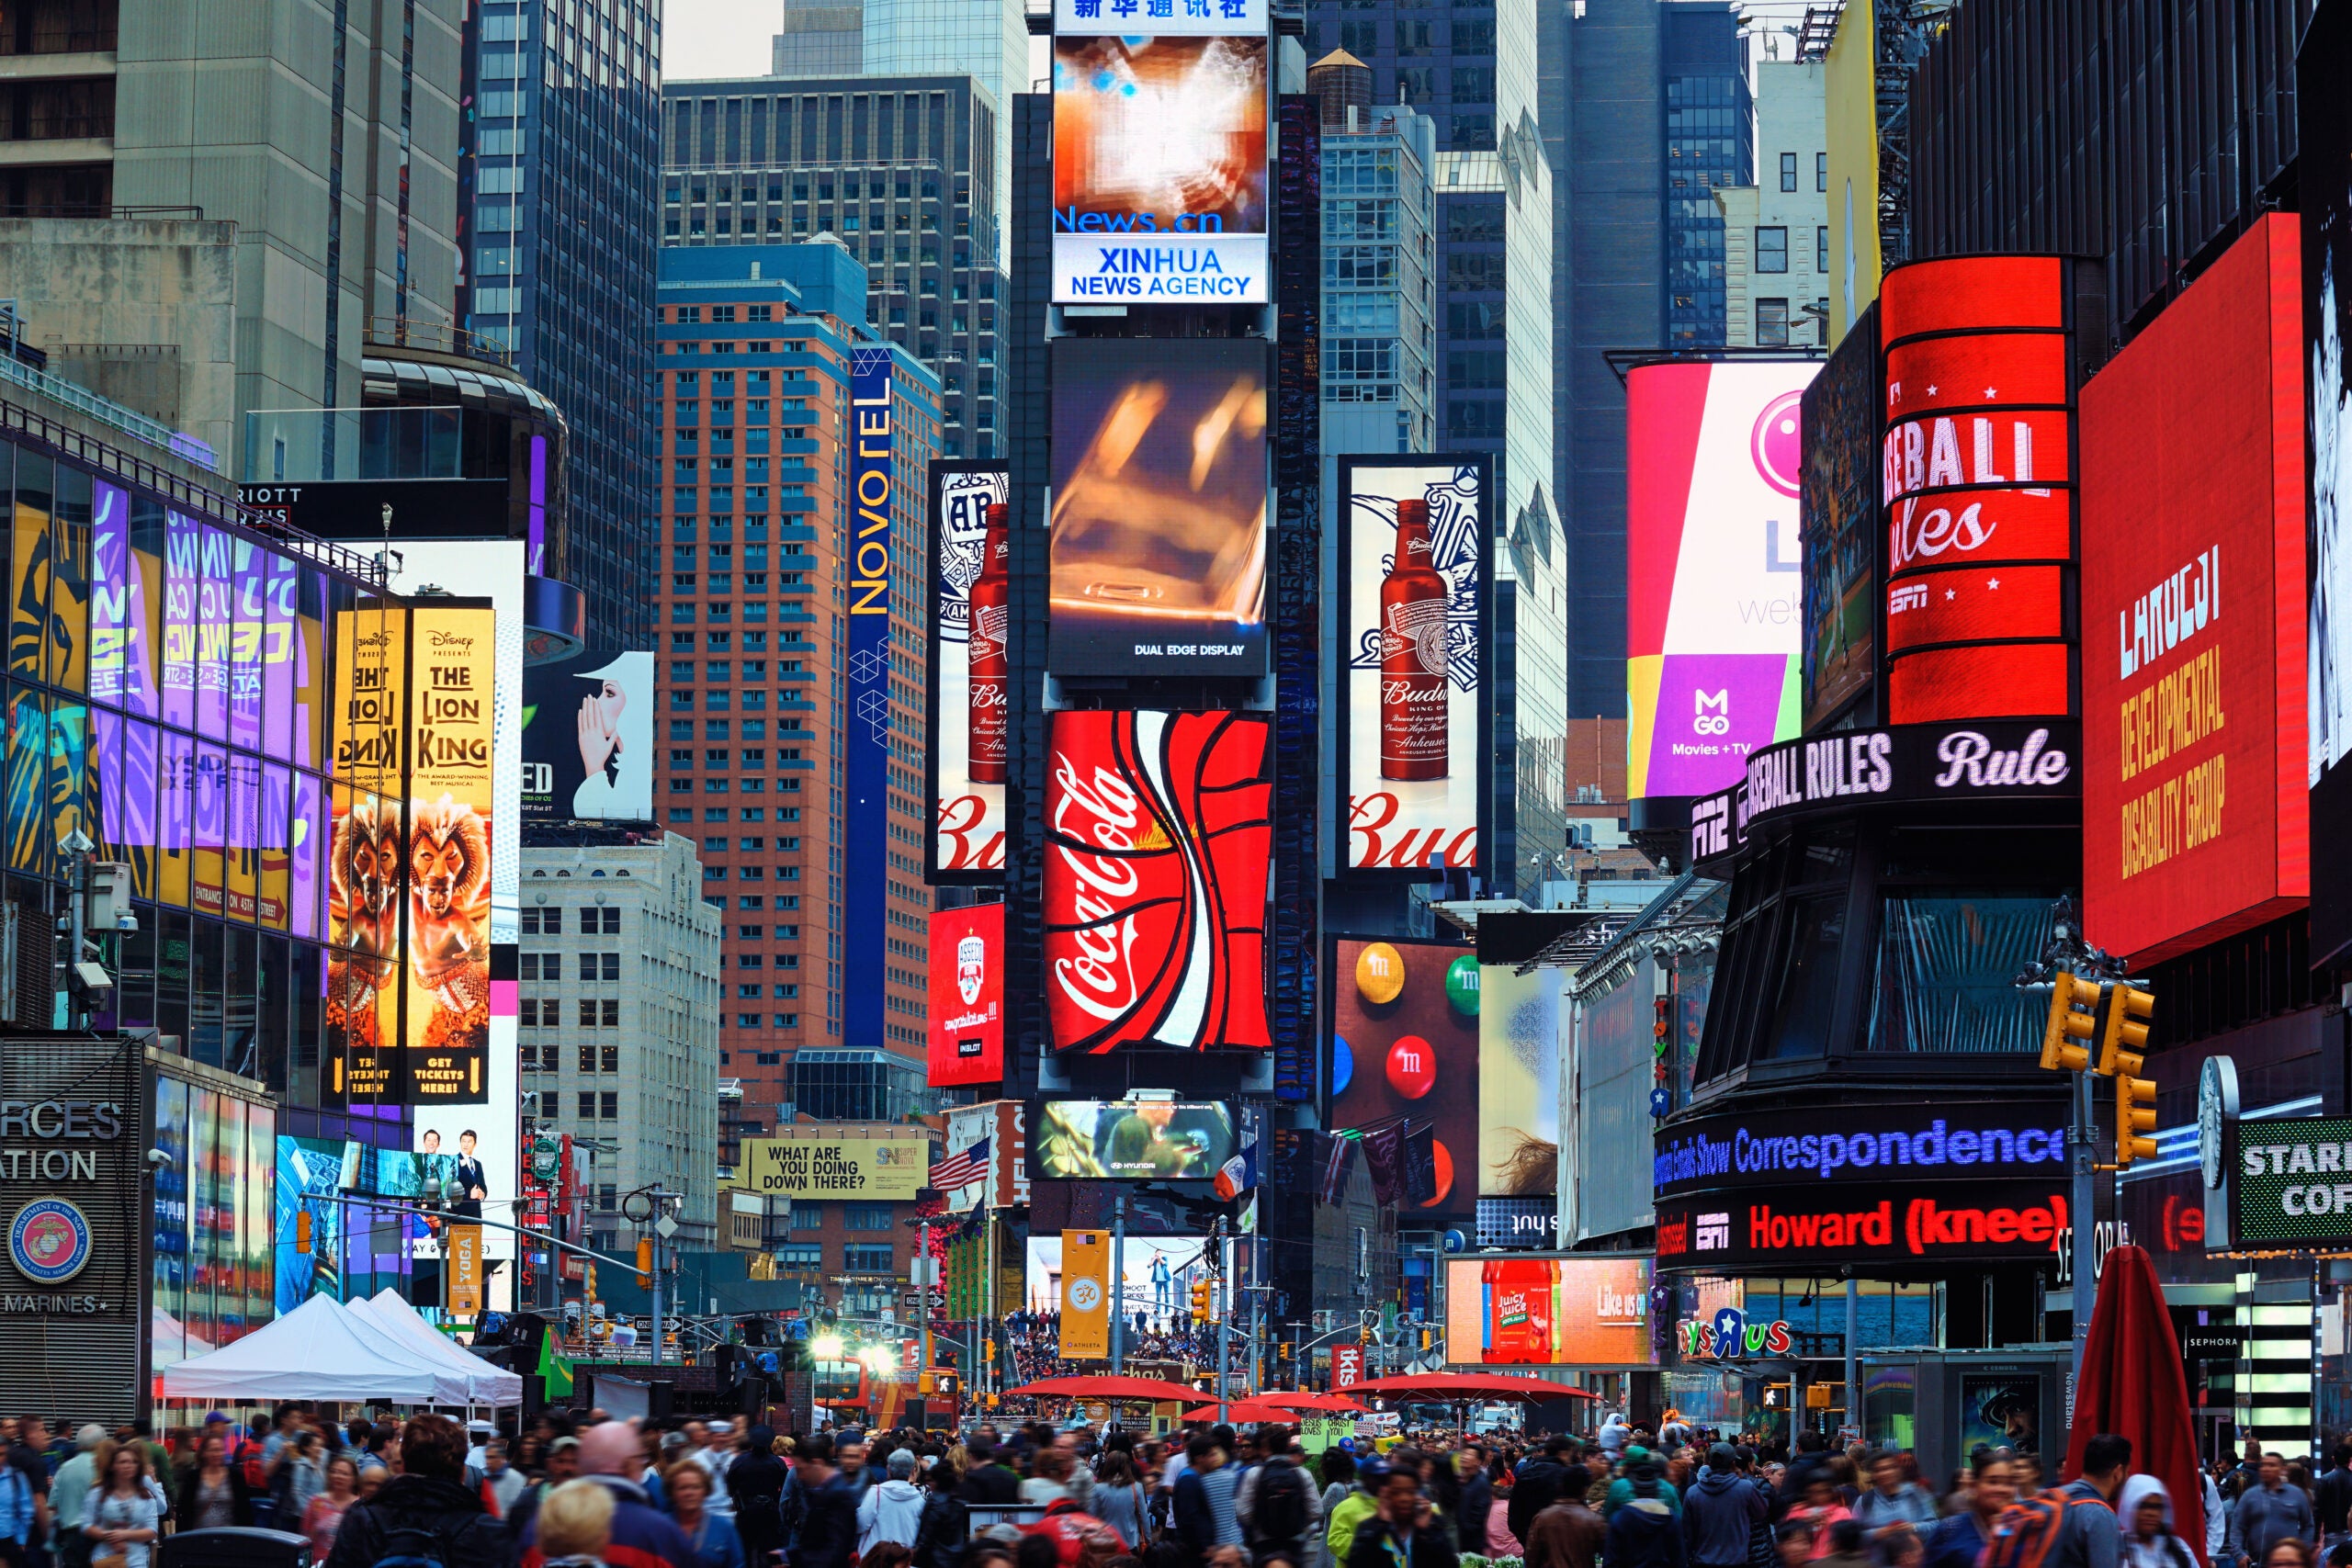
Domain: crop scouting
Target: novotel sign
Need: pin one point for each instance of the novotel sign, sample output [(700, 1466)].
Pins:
[(1962, 1142), (1902, 764)]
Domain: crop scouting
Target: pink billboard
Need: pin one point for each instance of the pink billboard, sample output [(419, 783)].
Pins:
[(1714, 585)]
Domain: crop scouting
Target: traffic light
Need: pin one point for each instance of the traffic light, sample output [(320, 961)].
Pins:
[(2125, 1039), (302, 1230), (2122, 1049), (1200, 1300), (645, 1263), (2074, 1003)]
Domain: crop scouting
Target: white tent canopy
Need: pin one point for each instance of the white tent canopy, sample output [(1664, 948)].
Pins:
[(486, 1384), (317, 1351)]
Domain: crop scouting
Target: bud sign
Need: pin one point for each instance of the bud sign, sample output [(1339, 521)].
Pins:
[(971, 548), (1414, 721)]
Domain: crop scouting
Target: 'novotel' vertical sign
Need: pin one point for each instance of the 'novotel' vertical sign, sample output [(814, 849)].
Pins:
[(866, 871)]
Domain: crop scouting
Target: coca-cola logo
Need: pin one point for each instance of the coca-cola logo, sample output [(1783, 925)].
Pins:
[(1776, 445), (1096, 807)]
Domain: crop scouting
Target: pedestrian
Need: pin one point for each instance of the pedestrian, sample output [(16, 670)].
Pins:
[(1279, 1507), (1476, 1500), (1644, 1478), (710, 1535), (1405, 1532), (213, 1494), (1961, 1539), (1644, 1531), (1845, 1541), (2089, 1535), (1723, 1512), (1194, 1516), (1893, 1498), (828, 1528), (756, 1481), (68, 1490), (2144, 1508), (988, 1483), (1120, 1502), (576, 1520), (323, 1517), (1361, 1503), (123, 1517), (641, 1535), (2269, 1511), (1566, 1533), (944, 1527), (300, 1474), (428, 1502), (562, 1465), (893, 1510), (1542, 1478)]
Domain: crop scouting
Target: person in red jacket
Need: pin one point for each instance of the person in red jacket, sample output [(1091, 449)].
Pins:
[(1070, 1528)]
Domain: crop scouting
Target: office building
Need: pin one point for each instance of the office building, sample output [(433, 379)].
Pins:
[(755, 343), (1378, 328), (984, 39), (818, 39), (900, 170), (1637, 257), (341, 192), (1472, 73), (1776, 232), (557, 204), (620, 1004)]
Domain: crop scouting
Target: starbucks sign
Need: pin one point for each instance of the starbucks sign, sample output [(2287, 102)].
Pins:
[(2293, 1179)]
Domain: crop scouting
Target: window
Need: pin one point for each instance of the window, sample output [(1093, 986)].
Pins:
[(800, 1255), (612, 966), (1788, 171), (1772, 248), (865, 1217), (867, 1258), (1821, 170), (611, 1017), (608, 1058), (610, 1109), (587, 1107), (588, 965), (587, 1013), (1772, 323), (587, 1058), (1938, 963), (1821, 249)]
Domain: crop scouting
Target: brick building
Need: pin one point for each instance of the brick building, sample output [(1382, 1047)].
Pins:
[(752, 408)]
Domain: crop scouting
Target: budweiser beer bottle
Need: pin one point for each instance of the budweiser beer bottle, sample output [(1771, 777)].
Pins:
[(991, 619), (1412, 654)]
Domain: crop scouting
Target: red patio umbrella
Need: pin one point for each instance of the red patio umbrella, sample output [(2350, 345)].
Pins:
[(2133, 1386), (1462, 1386), (1238, 1411), (1337, 1404), (1102, 1386)]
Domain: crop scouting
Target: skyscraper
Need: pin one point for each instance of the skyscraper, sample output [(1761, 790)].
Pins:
[(1776, 232), (984, 39), (901, 169), (557, 197), (1472, 71), (1639, 246)]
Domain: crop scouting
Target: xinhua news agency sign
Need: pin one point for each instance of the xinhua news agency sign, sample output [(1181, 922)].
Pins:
[(2294, 1183)]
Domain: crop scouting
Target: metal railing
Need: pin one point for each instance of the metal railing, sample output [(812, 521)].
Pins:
[(394, 332)]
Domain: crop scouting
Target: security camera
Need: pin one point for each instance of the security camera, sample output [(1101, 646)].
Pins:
[(158, 1159)]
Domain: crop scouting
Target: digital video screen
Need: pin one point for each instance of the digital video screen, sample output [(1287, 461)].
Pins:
[(1127, 1140)]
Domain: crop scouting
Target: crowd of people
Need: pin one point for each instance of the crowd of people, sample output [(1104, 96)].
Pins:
[(433, 1492), (1032, 1342)]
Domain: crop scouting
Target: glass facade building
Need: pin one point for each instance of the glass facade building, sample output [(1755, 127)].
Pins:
[(753, 663), (1378, 292), (902, 170), (557, 193), (1710, 146)]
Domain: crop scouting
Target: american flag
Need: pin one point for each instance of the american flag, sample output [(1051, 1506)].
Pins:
[(961, 1169)]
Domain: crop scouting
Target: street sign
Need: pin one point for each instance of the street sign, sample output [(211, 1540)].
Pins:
[(1347, 1366), (2292, 1177)]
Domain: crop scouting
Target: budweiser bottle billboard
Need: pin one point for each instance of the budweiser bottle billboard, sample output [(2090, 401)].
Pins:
[(991, 621), (1412, 654), (1159, 836)]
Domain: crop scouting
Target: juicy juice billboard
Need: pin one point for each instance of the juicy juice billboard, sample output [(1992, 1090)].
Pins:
[(1714, 603)]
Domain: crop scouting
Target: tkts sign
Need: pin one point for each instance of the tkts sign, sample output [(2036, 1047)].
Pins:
[(1159, 838)]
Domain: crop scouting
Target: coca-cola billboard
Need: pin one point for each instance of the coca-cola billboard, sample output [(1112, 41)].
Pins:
[(970, 556), (1976, 486), (1415, 723), (1159, 838), (966, 1024)]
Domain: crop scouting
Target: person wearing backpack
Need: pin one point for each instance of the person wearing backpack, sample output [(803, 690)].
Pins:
[(946, 1524), (2070, 1526), (1722, 1512), (426, 1516), (1279, 1507)]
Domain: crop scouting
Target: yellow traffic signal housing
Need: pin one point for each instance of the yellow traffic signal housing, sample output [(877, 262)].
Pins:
[(302, 1230), (2124, 1041), (1200, 1300), (2074, 1003), (2135, 1118), (645, 1263)]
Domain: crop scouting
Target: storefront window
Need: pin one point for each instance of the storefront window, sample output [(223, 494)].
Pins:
[(1945, 979), (172, 1253), (1808, 981)]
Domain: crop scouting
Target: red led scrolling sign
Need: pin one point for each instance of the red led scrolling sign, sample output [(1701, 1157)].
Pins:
[(1978, 490)]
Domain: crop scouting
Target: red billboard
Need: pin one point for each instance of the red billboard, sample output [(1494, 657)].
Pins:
[(2194, 687), (966, 1024), (1977, 488), (1159, 840)]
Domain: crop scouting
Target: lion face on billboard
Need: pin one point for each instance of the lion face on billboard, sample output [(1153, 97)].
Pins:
[(449, 866)]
